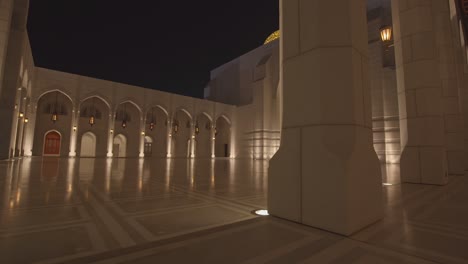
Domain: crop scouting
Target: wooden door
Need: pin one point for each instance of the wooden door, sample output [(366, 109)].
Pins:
[(52, 143)]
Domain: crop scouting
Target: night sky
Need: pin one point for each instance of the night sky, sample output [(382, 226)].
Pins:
[(165, 45)]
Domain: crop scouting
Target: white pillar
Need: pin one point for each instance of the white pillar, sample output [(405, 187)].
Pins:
[(169, 137), (213, 140), (29, 130), (142, 136), (192, 140), (420, 92), (74, 132), (326, 173), (110, 134), (453, 118)]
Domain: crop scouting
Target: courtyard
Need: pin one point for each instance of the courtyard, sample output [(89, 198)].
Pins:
[(200, 210)]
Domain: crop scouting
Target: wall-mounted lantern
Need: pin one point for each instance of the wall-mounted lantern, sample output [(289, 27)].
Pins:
[(21, 115), (112, 131), (124, 124), (26, 120), (386, 33), (74, 128)]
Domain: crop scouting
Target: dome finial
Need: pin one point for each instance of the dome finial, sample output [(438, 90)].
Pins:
[(274, 36)]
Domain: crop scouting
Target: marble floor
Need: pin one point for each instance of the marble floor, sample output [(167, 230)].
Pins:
[(199, 211)]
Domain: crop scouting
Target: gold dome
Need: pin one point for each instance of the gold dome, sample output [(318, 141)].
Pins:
[(274, 36)]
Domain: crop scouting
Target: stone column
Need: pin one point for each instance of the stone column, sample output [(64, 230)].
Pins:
[(29, 129), (213, 140), (420, 93), (326, 173), (110, 134), (10, 65), (74, 131), (169, 136), (192, 139), (453, 119), (142, 136), (458, 45)]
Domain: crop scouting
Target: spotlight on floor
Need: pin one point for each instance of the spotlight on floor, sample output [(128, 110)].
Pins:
[(261, 212)]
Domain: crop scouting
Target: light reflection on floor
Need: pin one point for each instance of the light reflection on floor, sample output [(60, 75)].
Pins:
[(87, 210), (127, 201)]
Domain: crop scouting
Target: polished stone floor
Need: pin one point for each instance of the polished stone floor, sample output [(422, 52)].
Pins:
[(199, 211)]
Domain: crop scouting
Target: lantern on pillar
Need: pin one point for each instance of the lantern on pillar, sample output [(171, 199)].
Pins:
[(386, 33), (197, 129), (176, 126), (26, 120)]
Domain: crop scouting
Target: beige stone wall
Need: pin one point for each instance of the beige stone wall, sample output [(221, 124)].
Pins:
[(139, 102)]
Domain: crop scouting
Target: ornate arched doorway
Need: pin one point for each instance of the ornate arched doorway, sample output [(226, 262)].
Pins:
[(181, 132), (52, 141), (148, 150), (120, 146), (203, 136), (88, 145), (223, 137)]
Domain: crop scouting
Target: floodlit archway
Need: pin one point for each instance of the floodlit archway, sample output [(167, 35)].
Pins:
[(203, 136), (52, 143), (127, 122), (88, 145), (120, 146), (148, 150), (223, 137), (54, 112), (181, 133), (94, 118), (156, 128)]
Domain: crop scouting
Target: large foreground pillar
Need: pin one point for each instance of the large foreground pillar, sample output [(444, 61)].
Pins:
[(12, 37), (326, 173), (420, 93)]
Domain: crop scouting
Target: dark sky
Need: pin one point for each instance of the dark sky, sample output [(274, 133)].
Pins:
[(166, 45)]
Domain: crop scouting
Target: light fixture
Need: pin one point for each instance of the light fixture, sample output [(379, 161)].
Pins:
[(54, 117), (197, 128), (26, 120), (74, 128), (386, 33), (152, 124), (92, 120), (124, 119), (142, 133), (175, 125), (21, 114), (261, 212), (112, 131)]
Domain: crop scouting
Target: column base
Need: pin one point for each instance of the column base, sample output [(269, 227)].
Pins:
[(425, 165), (326, 177)]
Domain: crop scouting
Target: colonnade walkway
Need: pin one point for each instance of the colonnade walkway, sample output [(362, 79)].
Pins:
[(180, 211)]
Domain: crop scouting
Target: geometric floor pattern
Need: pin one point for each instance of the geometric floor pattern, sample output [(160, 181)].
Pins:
[(199, 211)]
